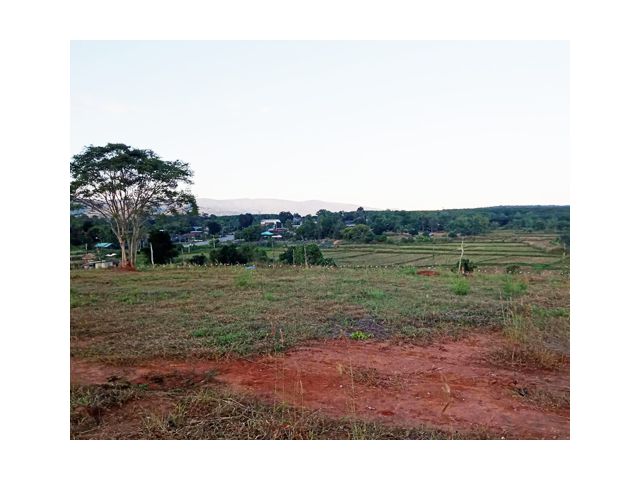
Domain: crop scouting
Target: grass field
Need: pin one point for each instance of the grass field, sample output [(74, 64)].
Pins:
[(231, 314)]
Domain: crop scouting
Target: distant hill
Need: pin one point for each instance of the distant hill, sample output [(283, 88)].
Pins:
[(237, 206)]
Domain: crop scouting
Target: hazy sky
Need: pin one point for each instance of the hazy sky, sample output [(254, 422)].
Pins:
[(413, 125)]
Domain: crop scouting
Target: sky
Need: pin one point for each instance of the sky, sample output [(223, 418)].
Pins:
[(384, 124)]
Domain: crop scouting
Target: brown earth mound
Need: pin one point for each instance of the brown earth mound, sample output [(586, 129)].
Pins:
[(448, 385)]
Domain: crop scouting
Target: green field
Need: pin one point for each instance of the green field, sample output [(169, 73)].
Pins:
[(491, 252)]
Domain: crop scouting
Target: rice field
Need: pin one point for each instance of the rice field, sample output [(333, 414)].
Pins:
[(494, 251)]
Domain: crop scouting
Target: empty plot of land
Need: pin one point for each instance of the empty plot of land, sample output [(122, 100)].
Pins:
[(449, 385)]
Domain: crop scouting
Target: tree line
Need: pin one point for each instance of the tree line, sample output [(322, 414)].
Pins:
[(119, 194)]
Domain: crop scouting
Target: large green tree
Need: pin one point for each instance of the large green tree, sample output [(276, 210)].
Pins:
[(126, 186)]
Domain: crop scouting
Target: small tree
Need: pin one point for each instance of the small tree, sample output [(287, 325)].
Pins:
[(359, 233), (251, 233), (245, 219), (126, 186), (163, 248), (214, 227)]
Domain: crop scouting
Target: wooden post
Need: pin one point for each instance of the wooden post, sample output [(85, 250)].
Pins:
[(304, 248), (151, 249), (461, 254)]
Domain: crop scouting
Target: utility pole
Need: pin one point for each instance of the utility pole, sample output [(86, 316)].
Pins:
[(151, 249)]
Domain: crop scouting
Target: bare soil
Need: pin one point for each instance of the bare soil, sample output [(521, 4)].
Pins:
[(449, 385)]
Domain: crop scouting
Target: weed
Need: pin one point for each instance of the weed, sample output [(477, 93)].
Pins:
[(512, 288), (374, 293), (244, 279), (460, 286), (358, 335), (530, 340), (513, 269)]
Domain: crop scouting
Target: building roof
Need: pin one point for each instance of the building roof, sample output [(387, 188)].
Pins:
[(266, 234)]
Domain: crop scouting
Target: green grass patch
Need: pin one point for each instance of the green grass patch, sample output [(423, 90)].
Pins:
[(514, 287), (460, 286), (244, 279), (373, 293)]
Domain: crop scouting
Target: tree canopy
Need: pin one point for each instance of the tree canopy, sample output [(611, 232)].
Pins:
[(126, 185)]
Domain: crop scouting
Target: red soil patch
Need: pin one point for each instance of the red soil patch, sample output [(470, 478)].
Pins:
[(427, 273), (450, 385)]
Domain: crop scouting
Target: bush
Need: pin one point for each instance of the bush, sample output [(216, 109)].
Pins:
[(380, 238), (513, 269), (230, 254), (198, 260), (460, 286), (358, 233), (512, 288), (465, 266), (296, 255)]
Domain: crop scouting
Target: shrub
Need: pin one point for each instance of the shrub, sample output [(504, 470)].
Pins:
[(511, 287), (460, 286), (296, 255), (244, 279), (466, 266), (198, 260), (513, 269), (230, 254)]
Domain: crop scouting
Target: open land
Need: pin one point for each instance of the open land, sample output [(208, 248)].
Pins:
[(372, 349)]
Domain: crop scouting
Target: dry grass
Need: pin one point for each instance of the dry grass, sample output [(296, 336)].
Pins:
[(538, 337), (543, 397), (372, 377), (90, 403), (124, 317), (215, 414)]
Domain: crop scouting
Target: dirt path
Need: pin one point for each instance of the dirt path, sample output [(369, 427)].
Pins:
[(449, 385)]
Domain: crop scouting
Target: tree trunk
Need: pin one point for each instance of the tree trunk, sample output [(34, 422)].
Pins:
[(132, 251), (123, 253), (461, 255)]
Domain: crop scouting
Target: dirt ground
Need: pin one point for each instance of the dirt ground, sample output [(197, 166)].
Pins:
[(451, 385)]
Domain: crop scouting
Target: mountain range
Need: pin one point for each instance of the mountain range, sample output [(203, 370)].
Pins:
[(237, 206)]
